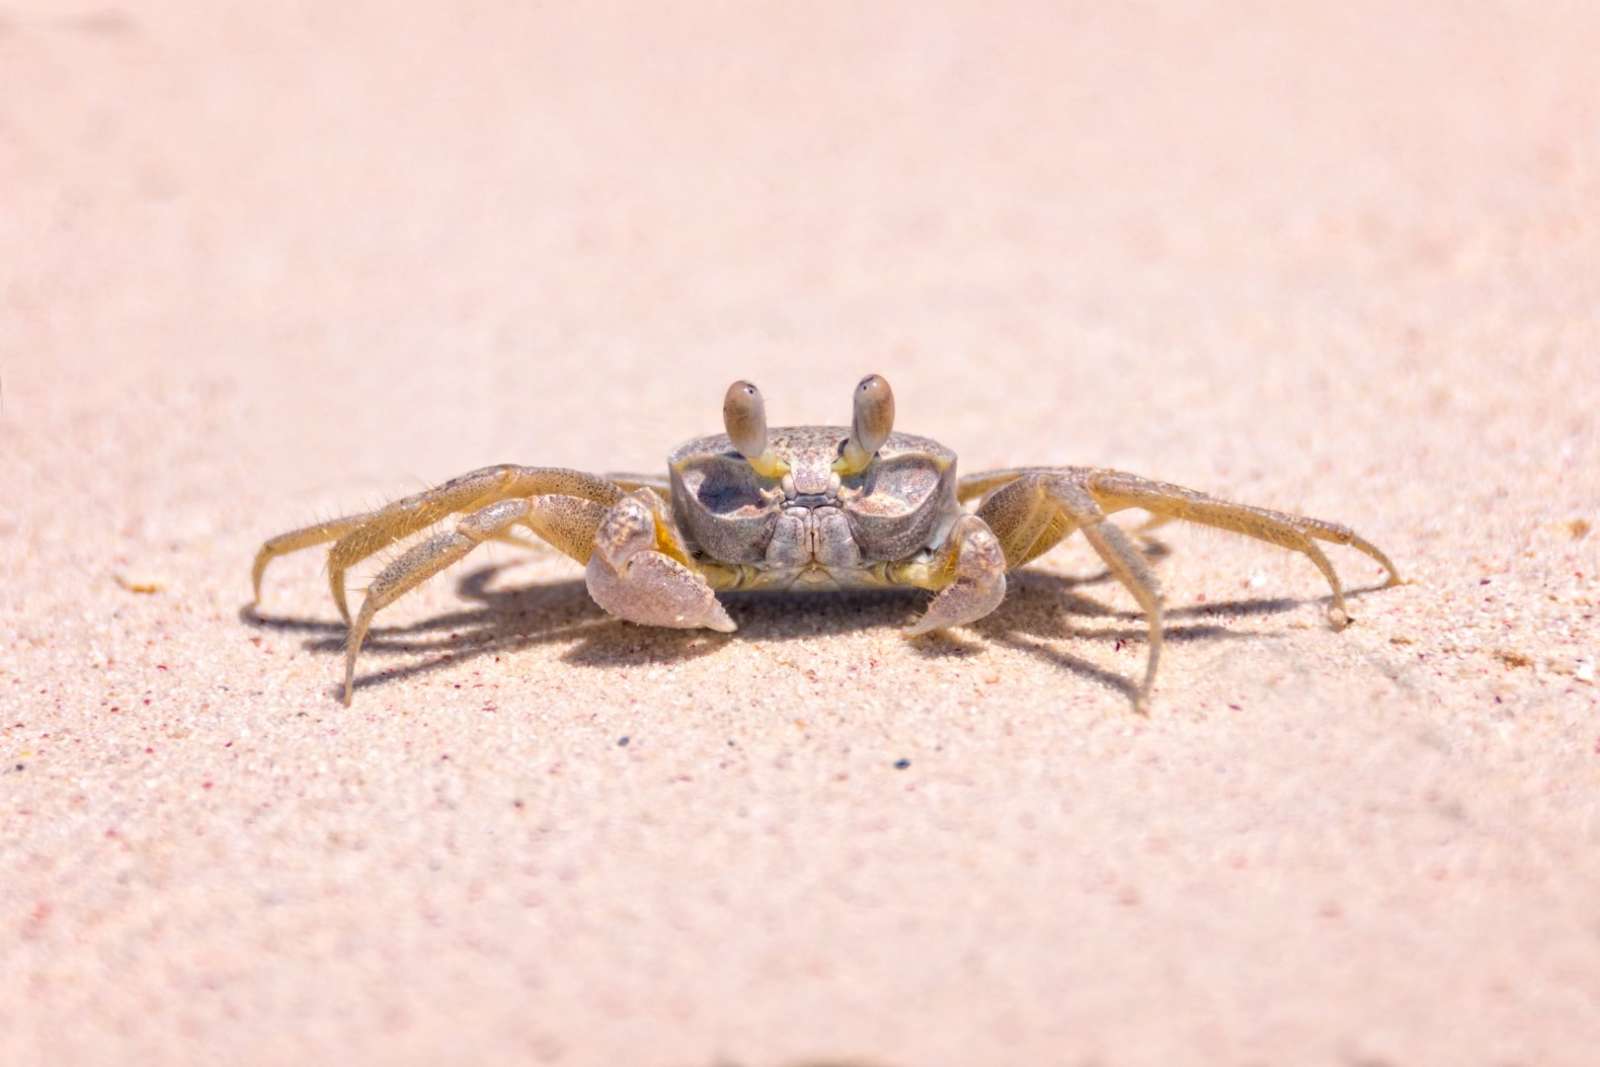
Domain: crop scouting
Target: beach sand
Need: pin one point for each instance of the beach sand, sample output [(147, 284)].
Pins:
[(261, 268)]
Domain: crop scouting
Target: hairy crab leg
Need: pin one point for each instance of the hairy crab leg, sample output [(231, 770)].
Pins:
[(973, 486), (1031, 509), (419, 563), (295, 540), (628, 481), (1124, 559), (566, 522), (1025, 518), (477, 489), (1034, 510), (1116, 490)]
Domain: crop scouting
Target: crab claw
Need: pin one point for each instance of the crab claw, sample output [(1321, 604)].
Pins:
[(633, 574), (974, 570)]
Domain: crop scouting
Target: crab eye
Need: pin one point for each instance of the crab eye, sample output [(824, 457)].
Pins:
[(870, 424), (744, 415), (874, 413)]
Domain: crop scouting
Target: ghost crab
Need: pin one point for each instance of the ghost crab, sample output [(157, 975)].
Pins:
[(753, 508)]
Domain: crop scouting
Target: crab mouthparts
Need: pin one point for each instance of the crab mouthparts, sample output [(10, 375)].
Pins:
[(816, 575)]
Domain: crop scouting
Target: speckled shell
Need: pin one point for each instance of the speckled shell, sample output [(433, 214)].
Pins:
[(895, 507)]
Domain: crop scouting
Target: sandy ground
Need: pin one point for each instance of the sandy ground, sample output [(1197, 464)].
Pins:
[(259, 267)]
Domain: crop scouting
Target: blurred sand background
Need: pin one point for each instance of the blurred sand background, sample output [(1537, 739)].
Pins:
[(266, 263)]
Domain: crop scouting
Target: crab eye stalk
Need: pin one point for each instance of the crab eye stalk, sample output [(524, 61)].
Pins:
[(744, 414), (869, 426)]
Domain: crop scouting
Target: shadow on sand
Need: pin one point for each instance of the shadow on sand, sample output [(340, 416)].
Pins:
[(1034, 618)]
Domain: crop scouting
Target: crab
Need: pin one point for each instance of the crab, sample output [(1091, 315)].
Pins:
[(795, 507)]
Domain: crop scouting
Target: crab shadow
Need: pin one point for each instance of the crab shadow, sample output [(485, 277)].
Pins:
[(499, 621), (1041, 610)]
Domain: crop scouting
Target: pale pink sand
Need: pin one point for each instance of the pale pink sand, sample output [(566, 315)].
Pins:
[(258, 268)]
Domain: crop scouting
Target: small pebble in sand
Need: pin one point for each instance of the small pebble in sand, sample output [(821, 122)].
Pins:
[(1579, 528), (141, 583), (901, 764), (1584, 671), (622, 742)]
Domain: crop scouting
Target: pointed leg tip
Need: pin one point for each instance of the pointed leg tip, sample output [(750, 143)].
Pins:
[(341, 600), (1338, 618)]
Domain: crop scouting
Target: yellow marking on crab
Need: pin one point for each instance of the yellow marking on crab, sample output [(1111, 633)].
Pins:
[(770, 465), (853, 460), (931, 573), (667, 541)]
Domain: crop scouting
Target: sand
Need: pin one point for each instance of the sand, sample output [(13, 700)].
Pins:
[(261, 267)]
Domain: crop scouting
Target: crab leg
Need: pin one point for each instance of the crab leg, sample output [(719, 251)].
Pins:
[(473, 490), (1116, 490), (1022, 515), (1125, 561), (1031, 509), (566, 522), (358, 536), (1009, 490), (295, 540), (628, 481), (972, 486), (419, 563), (1036, 510)]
